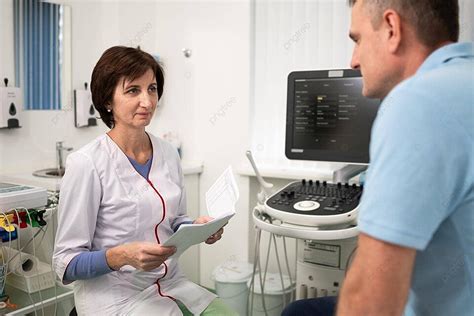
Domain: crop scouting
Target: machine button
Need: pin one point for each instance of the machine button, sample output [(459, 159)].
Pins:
[(306, 205), (327, 208)]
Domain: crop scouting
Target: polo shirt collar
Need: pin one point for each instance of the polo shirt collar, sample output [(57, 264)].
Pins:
[(446, 53)]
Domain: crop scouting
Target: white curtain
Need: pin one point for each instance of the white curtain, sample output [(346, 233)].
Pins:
[(299, 35)]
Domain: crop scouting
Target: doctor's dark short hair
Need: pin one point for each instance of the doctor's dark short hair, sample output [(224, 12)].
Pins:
[(116, 63), (434, 21)]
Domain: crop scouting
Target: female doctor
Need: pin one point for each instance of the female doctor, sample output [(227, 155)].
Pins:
[(121, 197)]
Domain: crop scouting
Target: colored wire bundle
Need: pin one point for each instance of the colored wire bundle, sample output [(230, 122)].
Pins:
[(7, 258)]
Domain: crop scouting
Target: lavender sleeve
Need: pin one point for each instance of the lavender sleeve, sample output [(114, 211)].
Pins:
[(87, 265)]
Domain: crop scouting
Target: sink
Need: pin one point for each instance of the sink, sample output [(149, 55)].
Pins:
[(49, 173)]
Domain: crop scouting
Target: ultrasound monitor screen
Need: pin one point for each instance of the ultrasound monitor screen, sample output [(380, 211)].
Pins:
[(328, 118)]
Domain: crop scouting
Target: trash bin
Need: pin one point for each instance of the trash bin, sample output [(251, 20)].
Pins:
[(231, 280), (274, 294)]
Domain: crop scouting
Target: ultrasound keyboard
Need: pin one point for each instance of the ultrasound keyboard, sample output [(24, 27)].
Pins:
[(300, 201)]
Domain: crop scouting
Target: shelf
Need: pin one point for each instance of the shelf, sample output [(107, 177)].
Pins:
[(25, 303), (290, 174), (191, 167)]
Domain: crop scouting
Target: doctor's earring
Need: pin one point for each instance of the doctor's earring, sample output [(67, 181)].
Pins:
[(109, 110)]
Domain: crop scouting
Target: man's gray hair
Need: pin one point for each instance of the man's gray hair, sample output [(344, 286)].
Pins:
[(434, 21)]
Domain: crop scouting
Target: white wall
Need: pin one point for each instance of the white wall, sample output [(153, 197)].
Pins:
[(222, 55), (206, 96), (7, 69), (6, 39), (466, 23)]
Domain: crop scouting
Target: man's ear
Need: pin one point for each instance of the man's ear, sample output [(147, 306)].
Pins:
[(392, 30)]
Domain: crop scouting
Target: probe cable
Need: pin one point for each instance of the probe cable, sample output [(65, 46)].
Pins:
[(34, 254), (53, 197), (279, 270), (288, 267), (262, 284), (257, 262), (3, 259)]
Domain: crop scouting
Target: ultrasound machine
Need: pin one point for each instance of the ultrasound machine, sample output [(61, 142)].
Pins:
[(328, 120)]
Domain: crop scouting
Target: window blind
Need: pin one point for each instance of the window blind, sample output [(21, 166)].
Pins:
[(38, 36)]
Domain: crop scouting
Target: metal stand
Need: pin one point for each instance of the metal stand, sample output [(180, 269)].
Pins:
[(344, 174)]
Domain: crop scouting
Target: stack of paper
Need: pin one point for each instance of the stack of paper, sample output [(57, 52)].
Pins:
[(220, 200)]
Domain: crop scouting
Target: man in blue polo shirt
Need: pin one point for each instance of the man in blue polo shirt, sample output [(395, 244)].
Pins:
[(415, 253)]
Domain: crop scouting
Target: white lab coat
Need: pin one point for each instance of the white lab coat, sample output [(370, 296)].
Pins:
[(105, 202)]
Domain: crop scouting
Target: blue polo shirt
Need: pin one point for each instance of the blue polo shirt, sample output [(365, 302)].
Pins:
[(419, 190)]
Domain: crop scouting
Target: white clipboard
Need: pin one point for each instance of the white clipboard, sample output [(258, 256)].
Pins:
[(193, 234)]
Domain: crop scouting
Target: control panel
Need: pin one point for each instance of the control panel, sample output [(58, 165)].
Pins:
[(317, 198), (300, 200)]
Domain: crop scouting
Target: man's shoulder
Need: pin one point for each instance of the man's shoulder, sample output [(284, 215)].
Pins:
[(445, 92), (450, 81)]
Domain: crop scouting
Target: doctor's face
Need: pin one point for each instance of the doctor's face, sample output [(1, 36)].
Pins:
[(134, 102)]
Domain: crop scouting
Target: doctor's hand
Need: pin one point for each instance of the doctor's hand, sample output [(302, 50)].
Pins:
[(214, 237), (144, 256)]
